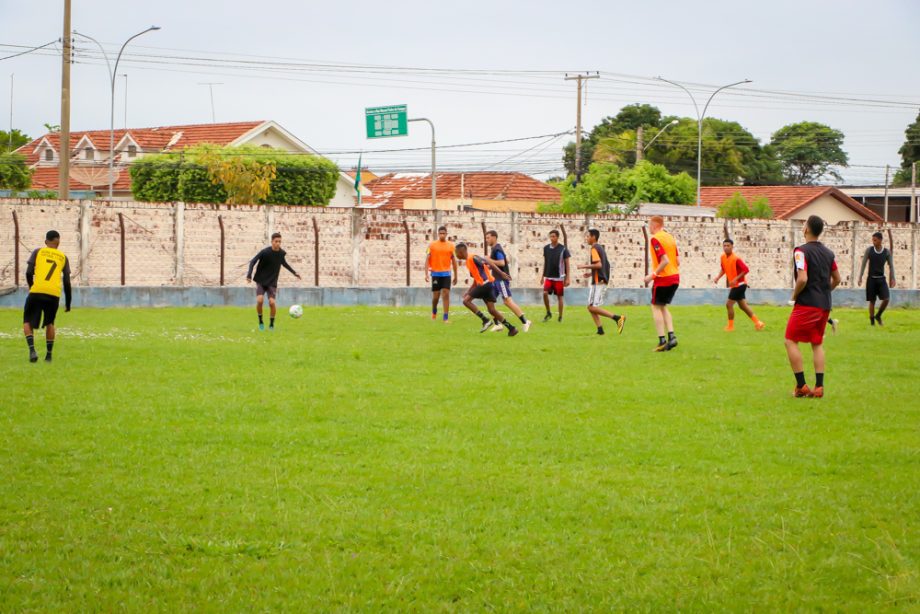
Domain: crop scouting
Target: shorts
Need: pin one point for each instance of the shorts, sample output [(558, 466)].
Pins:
[(272, 291), (597, 294), (554, 286), (807, 324), (877, 289), (502, 289), (663, 295), (737, 294), (40, 310), (440, 283), (485, 292)]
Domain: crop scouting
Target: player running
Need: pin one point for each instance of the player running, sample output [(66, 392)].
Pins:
[(735, 271), (556, 277), (270, 261), (438, 263), (665, 280), (46, 271), (599, 272), (481, 268), (876, 288), (816, 276), (503, 286)]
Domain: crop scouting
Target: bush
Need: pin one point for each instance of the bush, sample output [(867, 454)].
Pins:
[(737, 207), (14, 172), (606, 184)]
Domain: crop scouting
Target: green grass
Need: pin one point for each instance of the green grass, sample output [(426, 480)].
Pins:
[(368, 459)]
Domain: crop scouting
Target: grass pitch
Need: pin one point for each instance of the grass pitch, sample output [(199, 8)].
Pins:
[(368, 459)]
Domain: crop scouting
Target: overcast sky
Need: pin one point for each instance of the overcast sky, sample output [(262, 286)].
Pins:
[(843, 48)]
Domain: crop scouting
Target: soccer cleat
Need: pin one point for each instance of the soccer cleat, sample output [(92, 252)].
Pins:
[(759, 325), (803, 392), (878, 320), (33, 357), (818, 392), (662, 347), (47, 357), (672, 343), (271, 328), (834, 322), (261, 326), (600, 331), (434, 316), (621, 324), (513, 331), (547, 317), (527, 326), (729, 328), (560, 318), (497, 328), (485, 326)]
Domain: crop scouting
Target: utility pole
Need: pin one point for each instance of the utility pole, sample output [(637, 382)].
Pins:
[(64, 163), (579, 78), (126, 100), (913, 194), (887, 169), (10, 146), (639, 148), (211, 89)]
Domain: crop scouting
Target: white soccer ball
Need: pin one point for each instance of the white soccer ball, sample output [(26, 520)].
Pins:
[(295, 311)]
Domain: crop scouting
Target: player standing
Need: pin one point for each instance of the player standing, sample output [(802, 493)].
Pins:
[(438, 263), (556, 277), (735, 271), (876, 288), (599, 272), (665, 280), (503, 286), (483, 289), (46, 271), (270, 261), (816, 276)]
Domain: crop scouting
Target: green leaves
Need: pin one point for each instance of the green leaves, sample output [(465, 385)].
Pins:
[(737, 207), (14, 173), (607, 184), (808, 151)]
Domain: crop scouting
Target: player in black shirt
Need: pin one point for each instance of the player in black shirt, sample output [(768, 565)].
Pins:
[(270, 261), (503, 287), (816, 276), (556, 274), (876, 288)]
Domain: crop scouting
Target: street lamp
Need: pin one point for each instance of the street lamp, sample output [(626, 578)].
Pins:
[(699, 126), (112, 73), (672, 123)]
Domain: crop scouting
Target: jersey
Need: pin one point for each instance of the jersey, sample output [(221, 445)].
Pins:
[(480, 270), (818, 261), (498, 254), (554, 261), (663, 244), (602, 275), (733, 266), (49, 266), (440, 258), (270, 263), (877, 262)]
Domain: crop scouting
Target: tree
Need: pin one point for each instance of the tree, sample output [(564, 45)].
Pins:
[(630, 117), (737, 207), (910, 152), (14, 172), (244, 176), (52, 127), (18, 140), (809, 151)]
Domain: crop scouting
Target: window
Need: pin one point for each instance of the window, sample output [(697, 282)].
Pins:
[(89, 153), (49, 155), (132, 151)]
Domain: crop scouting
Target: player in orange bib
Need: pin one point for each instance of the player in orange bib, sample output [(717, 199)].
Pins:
[(481, 269), (735, 271), (439, 260), (665, 280), (46, 272)]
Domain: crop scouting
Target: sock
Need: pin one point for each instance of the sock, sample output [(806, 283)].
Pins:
[(507, 324), (49, 345), (434, 311), (660, 340), (819, 380), (260, 318), (494, 322), (615, 318), (444, 316), (754, 318), (271, 322), (881, 310), (482, 317), (549, 313), (600, 330), (800, 379), (671, 336), (731, 324), (30, 339), (522, 318)]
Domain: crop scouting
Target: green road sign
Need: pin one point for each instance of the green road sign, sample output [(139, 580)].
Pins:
[(386, 121)]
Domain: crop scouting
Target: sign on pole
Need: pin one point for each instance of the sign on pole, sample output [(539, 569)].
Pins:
[(386, 121)]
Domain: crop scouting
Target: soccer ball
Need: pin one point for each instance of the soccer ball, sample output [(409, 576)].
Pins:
[(295, 311)]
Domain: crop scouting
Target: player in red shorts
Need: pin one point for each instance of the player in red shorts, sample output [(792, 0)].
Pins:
[(556, 275), (816, 276)]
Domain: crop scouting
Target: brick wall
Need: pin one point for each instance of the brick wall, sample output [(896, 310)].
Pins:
[(174, 244)]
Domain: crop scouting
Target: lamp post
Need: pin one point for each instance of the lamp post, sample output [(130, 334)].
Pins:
[(649, 144), (112, 74), (699, 126)]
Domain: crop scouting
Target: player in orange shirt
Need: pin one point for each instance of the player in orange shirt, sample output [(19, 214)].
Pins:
[(481, 268), (439, 259), (735, 271), (665, 281)]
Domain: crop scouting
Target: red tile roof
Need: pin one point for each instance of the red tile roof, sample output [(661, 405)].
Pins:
[(785, 200), (389, 191), (46, 178)]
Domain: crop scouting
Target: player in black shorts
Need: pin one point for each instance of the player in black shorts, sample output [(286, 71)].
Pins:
[(47, 270), (876, 288), (270, 261)]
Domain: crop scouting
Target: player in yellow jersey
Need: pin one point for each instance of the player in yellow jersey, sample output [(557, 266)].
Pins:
[(47, 271)]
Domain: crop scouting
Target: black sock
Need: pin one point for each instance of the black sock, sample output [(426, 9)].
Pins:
[(260, 318), (660, 340), (800, 379), (49, 345), (507, 324), (549, 313), (30, 339), (819, 380), (522, 318), (671, 336), (600, 330), (271, 321), (615, 318), (881, 310), (494, 321), (482, 317)]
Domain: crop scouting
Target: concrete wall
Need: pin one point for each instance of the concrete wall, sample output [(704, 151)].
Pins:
[(175, 244)]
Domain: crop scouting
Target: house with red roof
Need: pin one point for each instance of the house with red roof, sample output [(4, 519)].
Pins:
[(486, 191), (796, 202), (91, 150)]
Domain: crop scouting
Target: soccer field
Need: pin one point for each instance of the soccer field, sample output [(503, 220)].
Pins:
[(369, 458)]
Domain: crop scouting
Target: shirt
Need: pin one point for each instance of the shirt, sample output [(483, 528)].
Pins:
[(663, 244), (440, 257), (270, 263), (554, 261), (818, 261), (47, 271), (480, 270), (877, 262), (601, 275), (733, 266), (498, 254)]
